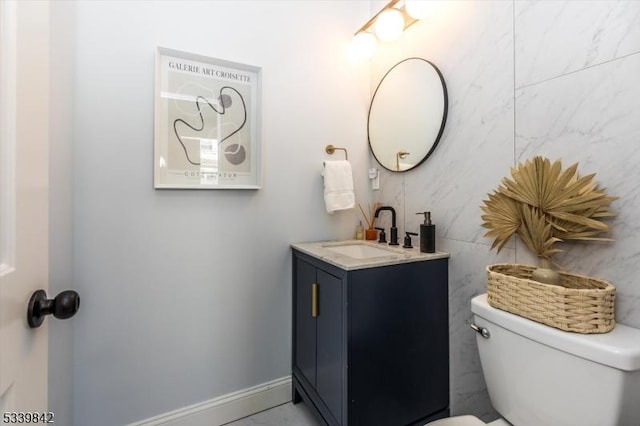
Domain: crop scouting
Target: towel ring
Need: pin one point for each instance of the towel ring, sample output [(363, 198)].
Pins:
[(330, 149)]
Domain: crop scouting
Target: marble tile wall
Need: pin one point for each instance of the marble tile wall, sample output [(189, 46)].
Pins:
[(591, 116), (525, 78)]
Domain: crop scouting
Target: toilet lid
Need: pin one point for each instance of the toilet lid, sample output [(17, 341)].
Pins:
[(458, 421)]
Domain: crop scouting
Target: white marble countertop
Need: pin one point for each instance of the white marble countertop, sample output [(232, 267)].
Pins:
[(320, 250)]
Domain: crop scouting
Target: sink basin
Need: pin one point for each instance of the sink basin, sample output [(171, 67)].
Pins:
[(361, 251), (351, 255)]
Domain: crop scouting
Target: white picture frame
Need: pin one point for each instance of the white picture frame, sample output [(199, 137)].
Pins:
[(207, 127)]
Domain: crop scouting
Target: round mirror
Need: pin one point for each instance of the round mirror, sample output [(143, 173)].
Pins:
[(407, 114)]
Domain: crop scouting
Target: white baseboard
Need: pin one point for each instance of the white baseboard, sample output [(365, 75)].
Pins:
[(226, 408)]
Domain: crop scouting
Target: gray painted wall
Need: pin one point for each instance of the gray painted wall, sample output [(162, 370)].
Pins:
[(525, 78), (186, 293)]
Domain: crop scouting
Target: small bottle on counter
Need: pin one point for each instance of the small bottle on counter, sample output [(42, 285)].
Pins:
[(359, 232), (427, 234)]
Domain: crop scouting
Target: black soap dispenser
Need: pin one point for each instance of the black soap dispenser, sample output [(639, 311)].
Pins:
[(427, 234)]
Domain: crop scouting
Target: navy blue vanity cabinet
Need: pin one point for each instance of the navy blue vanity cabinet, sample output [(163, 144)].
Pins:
[(371, 346)]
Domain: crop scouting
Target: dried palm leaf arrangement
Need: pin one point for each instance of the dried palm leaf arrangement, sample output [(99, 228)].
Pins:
[(545, 205)]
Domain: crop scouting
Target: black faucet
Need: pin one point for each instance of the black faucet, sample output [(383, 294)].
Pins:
[(393, 238)]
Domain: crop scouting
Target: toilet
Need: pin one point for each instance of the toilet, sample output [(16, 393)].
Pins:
[(537, 375)]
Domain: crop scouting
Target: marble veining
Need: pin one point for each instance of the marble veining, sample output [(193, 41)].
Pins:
[(524, 78), (396, 256), (558, 37), (591, 118), (477, 145), (468, 278)]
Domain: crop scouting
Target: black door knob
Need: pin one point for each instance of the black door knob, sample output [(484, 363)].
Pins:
[(63, 306)]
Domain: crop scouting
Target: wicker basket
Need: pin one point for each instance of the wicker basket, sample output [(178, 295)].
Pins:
[(579, 304)]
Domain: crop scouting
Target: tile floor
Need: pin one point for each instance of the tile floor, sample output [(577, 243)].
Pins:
[(282, 415)]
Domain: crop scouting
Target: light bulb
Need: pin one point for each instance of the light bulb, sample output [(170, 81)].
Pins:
[(363, 45), (389, 25), (417, 9)]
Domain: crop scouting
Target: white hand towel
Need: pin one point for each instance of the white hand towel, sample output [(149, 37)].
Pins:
[(338, 186)]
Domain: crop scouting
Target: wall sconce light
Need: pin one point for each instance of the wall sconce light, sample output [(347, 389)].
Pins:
[(388, 24)]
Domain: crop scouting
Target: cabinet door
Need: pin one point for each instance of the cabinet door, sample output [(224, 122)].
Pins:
[(305, 323), (329, 380), (399, 350)]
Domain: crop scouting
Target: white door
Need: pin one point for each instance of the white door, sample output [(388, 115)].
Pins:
[(24, 182)]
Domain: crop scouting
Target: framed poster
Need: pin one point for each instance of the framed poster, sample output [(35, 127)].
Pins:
[(207, 123)]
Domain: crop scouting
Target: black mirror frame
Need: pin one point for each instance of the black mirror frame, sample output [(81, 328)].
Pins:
[(444, 115)]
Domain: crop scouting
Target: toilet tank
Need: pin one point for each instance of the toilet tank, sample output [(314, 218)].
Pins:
[(540, 376)]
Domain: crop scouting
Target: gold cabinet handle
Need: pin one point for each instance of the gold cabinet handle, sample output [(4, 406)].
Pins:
[(314, 300)]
